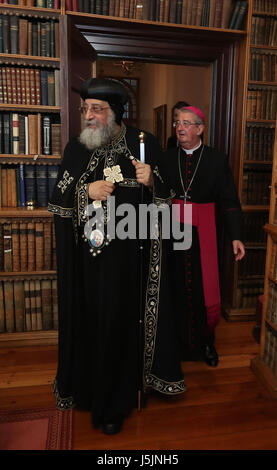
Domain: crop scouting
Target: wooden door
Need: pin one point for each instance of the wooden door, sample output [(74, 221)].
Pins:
[(77, 58)]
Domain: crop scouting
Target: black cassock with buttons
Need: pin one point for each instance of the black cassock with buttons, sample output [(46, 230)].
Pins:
[(195, 282)]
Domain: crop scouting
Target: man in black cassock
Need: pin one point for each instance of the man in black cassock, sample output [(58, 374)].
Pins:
[(101, 359), (199, 175)]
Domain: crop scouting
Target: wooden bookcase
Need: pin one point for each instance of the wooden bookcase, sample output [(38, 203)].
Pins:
[(28, 290), (254, 166), (85, 35), (265, 364)]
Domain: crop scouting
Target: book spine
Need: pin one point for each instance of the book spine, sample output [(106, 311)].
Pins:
[(29, 179), (46, 135), (41, 182), (52, 178), (39, 245), (23, 246), (33, 133), (51, 88), (6, 34), (9, 306), (15, 133), (14, 89), (56, 139), (38, 304), (9, 84), (31, 246), (27, 303), (19, 305), (15, 247), (23, 36), (47, 246), (7, 248)]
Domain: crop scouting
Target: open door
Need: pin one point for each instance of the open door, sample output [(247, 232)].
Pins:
[(77, 58)]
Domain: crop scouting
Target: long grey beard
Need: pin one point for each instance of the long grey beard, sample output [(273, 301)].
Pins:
[(95, 138)]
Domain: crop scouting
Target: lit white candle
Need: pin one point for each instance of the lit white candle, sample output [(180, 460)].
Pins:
[(142, 147)]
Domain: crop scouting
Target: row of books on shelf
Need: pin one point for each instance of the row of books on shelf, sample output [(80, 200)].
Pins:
[(263, 66), (253, 264), (27, 185), (253, 227), (29, 86), (266, 6), (248, 292), (256, 187), (208, 13), (27, 246), (271, 311), (261, 102), (270, 350), (29, 37), (34, 3), (263, 31), (29, 134), (259, 142), (28, 305)]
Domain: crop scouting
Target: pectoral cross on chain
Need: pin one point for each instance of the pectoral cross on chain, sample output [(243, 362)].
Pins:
[(186, 196)]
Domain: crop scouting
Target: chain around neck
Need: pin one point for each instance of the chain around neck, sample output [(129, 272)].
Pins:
[(193, 176)]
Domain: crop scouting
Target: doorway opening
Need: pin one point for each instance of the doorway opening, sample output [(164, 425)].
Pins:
[(153, 90)]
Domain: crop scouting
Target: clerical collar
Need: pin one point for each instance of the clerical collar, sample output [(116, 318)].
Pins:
[(190, 151)]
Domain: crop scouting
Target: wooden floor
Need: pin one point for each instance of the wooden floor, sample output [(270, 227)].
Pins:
[(223, 408)]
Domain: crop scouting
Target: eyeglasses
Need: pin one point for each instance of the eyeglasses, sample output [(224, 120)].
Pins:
[(92, 108), (185, 124)]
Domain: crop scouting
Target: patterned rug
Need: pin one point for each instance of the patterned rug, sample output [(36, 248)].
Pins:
[(36, 429)]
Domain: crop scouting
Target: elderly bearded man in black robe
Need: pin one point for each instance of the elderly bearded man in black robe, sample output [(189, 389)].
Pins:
[(99, 277)]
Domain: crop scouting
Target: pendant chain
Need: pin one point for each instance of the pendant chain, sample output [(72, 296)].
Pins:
[(181, 177)]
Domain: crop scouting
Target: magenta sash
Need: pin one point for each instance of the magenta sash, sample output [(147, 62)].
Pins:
[(203, 217)]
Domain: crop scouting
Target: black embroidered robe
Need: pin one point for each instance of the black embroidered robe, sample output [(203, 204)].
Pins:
[(99, 294)]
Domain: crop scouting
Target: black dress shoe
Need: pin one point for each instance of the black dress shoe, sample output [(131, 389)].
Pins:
[(211, 356), (113, 426)]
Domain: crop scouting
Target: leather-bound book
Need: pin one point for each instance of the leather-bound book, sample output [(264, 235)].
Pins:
[(23, 246), (15, 247), (42, 185), (19, 305), (47, 246), (23, 36), (39, 246), (31, 246), (27, 302), (9, 306), (38, 304), (7, 247), (33, 133)]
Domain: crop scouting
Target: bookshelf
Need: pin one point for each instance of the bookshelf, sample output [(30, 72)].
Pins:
[(29, 157), (83, 35), (255, 167), (265, 364)]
